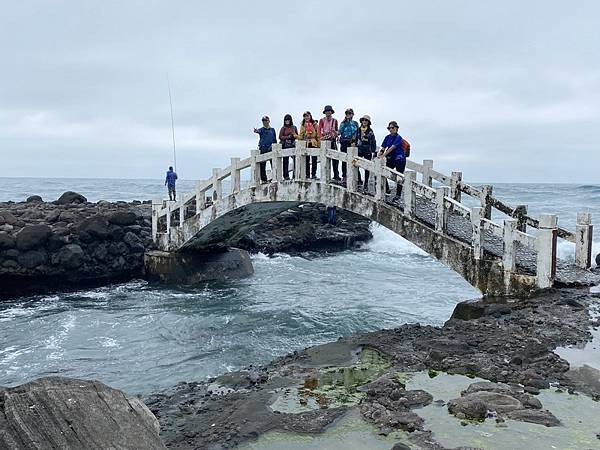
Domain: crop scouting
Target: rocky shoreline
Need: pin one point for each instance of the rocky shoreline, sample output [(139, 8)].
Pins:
[(71, 243), (508, 343)]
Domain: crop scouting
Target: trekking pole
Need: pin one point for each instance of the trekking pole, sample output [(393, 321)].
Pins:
[(172, 124)]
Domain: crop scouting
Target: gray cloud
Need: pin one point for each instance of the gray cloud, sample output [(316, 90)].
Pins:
[(504, 92)]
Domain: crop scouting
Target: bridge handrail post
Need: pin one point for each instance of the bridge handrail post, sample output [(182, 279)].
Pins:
[(352, 170), (441, 213), (325, 162), (379, 178), (486, 194), (546, 250), (509, 252), (276, 163), (583, 240), (520, 213), (255, 168), (156, 205), (426, 177), (300, 162), (235, 176), (217, 185), (477, 216), (168, 218), (455, 181), (410, 196)]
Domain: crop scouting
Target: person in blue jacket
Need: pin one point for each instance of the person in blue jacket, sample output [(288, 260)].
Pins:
[(392, 150), (265, 142), (170, 183)]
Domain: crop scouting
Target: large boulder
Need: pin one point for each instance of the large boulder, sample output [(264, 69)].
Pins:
[(70, 197), (32, 258), (33, 236), (7, 218), (6, 241), (469, 407), (96, 226), (69, 413), (34, 199), (122, 218), (134, 242), (70, 256)]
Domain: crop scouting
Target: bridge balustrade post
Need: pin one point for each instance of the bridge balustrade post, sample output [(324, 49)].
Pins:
[(235, 175), (546, 250), (478, 232), (300, 162), (378, 177), (255, 168), (455, 181), (410, 196), (583, 240), (276, 163), (521, 215), (217, 185), (168, 219), (352, 170), (485, 201), (509, 254), (156, 205), (325, 162), (426, 178), (441, 213)]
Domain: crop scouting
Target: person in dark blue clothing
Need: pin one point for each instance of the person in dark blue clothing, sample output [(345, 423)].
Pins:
[(392, 150), (170, 183), (265, 142)]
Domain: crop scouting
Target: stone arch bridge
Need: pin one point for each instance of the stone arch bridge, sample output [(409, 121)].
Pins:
[(436, 213)]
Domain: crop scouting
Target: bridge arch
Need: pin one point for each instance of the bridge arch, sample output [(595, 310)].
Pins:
[(498, 260)]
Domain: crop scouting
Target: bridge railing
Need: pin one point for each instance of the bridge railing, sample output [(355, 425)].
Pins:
[(446, 196)]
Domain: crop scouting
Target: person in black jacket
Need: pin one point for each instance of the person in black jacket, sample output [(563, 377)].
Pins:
[(367, 145)]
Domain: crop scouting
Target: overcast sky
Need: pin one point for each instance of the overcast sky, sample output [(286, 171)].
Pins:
[(504, 91)]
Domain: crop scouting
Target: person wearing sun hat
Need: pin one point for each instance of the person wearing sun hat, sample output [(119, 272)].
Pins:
[(347, 132), (328, 131), (367, 145), (392, 149), (265, 142)]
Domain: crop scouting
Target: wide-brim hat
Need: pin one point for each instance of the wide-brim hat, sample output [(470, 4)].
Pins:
[(366, 117), (394, 124), (328, 108)]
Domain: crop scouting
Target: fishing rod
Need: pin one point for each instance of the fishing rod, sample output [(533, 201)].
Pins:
[(172, 124)]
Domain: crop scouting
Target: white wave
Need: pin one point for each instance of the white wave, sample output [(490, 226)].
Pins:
[(108, 342), (386, 241), (566, 251)]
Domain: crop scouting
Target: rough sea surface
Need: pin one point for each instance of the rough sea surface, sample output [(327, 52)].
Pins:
[(143, 338)]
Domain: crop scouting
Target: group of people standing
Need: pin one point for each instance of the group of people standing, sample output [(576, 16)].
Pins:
[(347, 133)]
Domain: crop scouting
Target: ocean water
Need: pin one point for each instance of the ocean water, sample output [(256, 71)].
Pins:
[(143, 338)]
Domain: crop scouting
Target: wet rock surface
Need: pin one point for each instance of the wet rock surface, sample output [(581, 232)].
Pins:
[(71, 243), (70, 413), (513, 350), (305, 229)]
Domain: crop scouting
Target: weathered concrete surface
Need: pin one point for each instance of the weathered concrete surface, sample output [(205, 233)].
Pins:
[(193, 268), (66, 413)]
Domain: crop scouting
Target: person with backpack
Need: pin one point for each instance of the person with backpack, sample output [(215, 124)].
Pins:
[(394, 149), (287, 138), (170, 183), (309, 133), (348, 134), (265, 143), (328, 131), (367, 145)]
